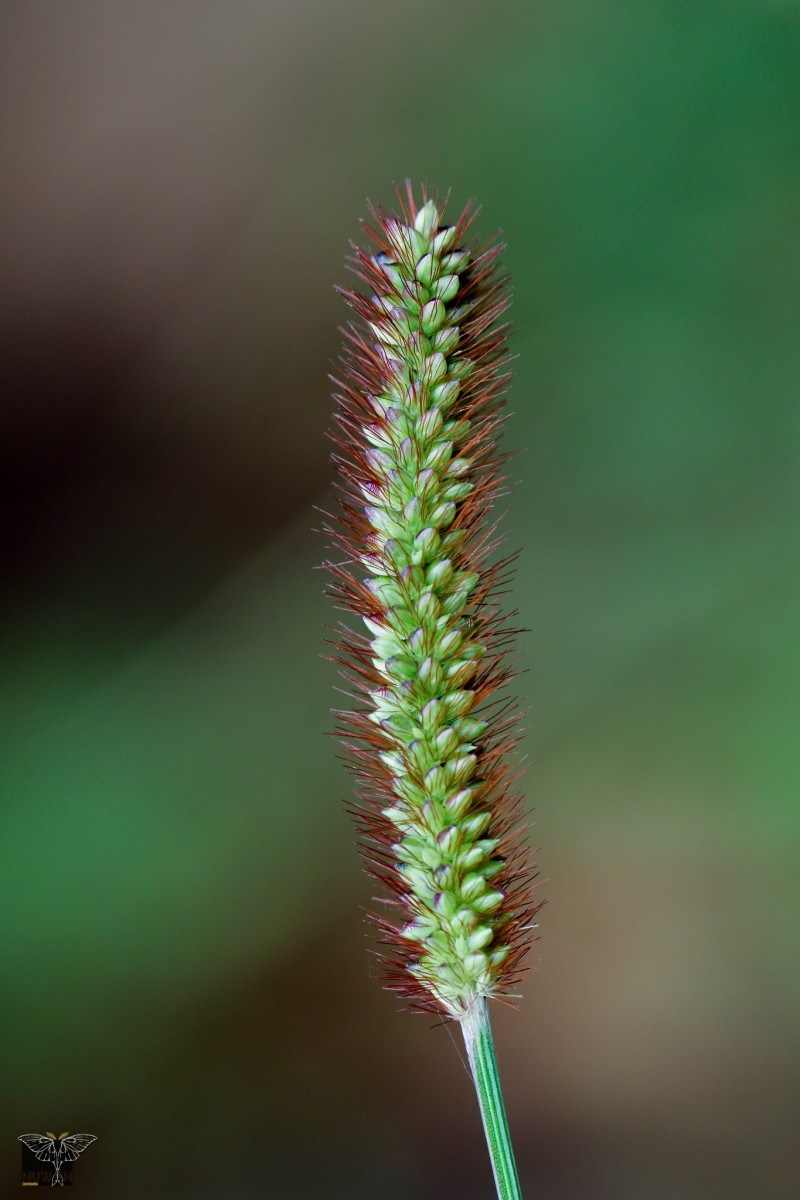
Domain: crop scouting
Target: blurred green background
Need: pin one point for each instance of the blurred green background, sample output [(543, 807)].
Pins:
[(185, 970)]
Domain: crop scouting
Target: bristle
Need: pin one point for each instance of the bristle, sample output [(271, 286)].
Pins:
[(419, 415)]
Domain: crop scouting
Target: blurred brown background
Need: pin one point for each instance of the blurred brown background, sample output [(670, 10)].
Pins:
[(186, 971)]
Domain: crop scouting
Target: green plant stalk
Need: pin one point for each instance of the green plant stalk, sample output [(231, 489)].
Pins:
[(478, 1040), (419, 416)]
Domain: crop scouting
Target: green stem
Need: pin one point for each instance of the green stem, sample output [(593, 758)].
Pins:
[(480, 1049)]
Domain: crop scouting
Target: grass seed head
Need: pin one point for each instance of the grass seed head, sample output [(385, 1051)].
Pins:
[(419, 416)]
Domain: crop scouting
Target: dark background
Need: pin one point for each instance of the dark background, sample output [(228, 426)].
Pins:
[(185, 968)]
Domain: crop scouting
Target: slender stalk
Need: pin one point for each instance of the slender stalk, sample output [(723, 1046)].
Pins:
[(477, 1032), (419, 415)]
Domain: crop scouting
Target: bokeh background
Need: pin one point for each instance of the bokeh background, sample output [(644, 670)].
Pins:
[(185, 970)]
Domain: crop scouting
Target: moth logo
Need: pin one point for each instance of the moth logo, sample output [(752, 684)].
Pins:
[(61, 1150)]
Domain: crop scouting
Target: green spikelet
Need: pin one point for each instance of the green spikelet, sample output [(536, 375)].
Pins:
[(419, 414)]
